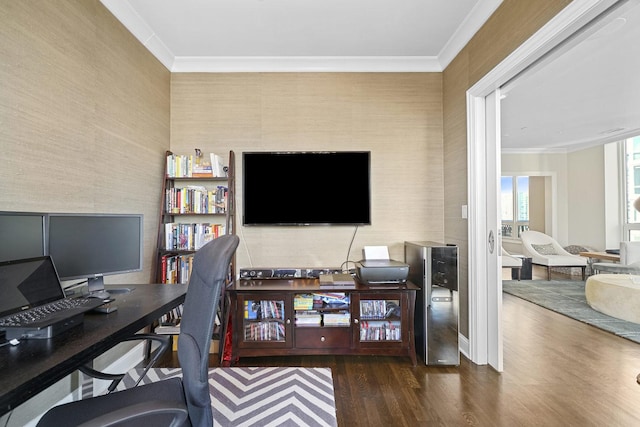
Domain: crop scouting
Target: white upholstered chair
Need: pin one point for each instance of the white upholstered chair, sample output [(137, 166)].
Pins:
[(629, 260), (546, 251), (512, 262)]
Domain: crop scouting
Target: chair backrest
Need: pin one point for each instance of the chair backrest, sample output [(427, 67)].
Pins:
[(530, 238), (208, 277), (509, 260), (536, 237)]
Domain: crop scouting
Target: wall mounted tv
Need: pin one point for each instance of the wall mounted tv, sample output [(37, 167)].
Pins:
[(90, 246), (306, 188)]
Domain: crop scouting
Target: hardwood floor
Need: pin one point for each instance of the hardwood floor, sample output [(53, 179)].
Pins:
[(557, 372)]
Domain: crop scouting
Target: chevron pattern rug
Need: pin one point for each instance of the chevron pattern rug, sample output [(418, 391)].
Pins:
[(264, 396)]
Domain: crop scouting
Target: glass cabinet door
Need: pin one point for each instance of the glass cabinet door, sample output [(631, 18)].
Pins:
[(380, 319), (264, 320)]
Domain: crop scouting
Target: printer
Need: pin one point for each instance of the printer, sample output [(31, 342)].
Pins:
[(381, 271)]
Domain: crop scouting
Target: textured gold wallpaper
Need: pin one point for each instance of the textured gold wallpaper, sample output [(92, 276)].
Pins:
[(512, 24), (396, 116), (84, 115)]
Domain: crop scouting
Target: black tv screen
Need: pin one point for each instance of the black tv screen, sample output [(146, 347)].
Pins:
[(306, 188)]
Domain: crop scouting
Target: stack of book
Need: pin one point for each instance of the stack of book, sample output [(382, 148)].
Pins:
[(308, 319), (195, 166), (303, 302), (337, 319)]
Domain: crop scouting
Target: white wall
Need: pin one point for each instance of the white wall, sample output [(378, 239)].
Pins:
[(586, 194), (553, 165), (585, 197)]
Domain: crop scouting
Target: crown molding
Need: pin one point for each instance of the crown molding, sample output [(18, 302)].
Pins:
[(132, 21), (467, 29), (127, 15), (239, 64)]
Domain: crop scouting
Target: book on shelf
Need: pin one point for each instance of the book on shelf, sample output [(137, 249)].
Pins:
[(190, 237), (217, 166), (379, 309), (380, 331), (176, 268), (250, 310)]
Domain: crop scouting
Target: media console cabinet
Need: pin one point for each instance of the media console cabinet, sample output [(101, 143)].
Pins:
[(279, 317)]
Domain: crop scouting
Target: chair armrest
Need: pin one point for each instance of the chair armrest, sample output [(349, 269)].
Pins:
[(164, 343), (140, 411)]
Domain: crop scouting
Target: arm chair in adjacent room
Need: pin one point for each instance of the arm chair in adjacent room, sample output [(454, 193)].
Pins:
[(629, 261), (177, 401), (546, 251), (512, 262)]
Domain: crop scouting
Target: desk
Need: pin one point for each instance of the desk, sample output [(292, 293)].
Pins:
[(34, 365)]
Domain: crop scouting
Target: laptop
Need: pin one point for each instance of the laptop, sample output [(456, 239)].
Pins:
[(33, 303)]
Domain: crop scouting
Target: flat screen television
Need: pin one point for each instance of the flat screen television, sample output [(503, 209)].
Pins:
[(306, 188), (22, 235), (91, 246)]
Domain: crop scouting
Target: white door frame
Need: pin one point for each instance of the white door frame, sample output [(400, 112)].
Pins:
[(485, 337)]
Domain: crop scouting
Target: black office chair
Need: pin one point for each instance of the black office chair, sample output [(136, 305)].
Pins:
[(177, 401), (163, 343)]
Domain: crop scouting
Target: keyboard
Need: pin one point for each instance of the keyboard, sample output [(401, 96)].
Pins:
[(42, 314)]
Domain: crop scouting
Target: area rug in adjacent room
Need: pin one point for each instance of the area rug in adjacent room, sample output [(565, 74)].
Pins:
[(262, 396), (567, 297)]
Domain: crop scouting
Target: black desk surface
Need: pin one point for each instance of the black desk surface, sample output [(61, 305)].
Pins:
[(33, 365)]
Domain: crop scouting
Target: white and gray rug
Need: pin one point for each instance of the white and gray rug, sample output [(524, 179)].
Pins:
[(567, 297), (263, 396)]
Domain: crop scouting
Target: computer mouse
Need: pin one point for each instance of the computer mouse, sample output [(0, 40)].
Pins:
[(100, 294)]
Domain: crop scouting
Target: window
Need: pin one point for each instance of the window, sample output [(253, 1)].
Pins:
[(632, 188), (515, 205)]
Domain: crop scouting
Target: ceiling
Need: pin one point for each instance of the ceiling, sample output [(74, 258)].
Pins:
[(585, 94), (303, 35)]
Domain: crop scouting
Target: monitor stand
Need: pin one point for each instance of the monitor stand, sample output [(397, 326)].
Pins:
[(96, 284), (95, 287)]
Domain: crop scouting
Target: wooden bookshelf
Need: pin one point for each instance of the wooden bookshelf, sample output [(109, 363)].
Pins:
[(198, 205)]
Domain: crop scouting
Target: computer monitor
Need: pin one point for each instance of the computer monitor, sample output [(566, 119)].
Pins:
[(91, 246), (22, 235)]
